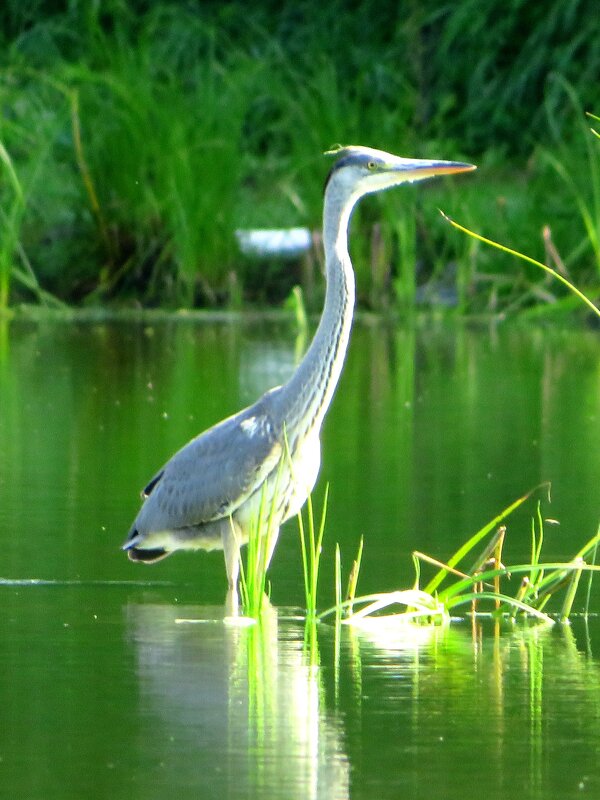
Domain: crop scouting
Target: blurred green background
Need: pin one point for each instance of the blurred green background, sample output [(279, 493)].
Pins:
[(136, 137)]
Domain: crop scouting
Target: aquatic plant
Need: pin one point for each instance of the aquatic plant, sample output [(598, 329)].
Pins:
[(253, 573), (311, 544), (254, 588), (486, 585), (481, 585)]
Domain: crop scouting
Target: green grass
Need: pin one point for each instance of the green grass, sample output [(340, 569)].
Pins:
[(557, 276), (480, 585), (254, 588), (253, 573), (311, 544)]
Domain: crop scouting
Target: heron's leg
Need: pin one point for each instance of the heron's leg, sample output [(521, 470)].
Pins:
[(231, 550)]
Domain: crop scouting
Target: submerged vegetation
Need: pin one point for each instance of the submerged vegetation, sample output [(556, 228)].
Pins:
[(136, 138)]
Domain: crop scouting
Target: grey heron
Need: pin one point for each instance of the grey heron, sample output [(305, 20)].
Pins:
[(207, 495)]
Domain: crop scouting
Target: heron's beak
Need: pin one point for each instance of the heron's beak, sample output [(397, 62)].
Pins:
[(414, 169)]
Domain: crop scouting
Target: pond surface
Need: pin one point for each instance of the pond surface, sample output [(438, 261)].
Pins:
[(123, 681)]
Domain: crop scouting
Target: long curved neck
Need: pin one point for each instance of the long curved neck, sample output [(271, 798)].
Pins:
[(305, 398)]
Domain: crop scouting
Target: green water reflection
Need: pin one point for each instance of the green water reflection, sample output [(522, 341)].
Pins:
[(114, 693), (434, 429)]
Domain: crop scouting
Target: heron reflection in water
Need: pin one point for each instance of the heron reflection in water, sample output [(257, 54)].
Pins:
[(208, 494)]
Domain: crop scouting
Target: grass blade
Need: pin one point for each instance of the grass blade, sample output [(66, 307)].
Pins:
[(594, 550), (570, 286), (570, 596), (475, 539), (354, 572), (507, 599)]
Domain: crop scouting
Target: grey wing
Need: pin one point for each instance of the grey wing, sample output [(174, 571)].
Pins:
[(213, 474)]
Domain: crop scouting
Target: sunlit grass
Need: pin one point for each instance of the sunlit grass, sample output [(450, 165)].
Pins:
[(596, 119), (585, 191), (311, 545), (554, 273), (254, 588), (253, 584), (486, 586), (473, 581)]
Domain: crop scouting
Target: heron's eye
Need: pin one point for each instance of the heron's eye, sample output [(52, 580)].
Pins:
[(371, 165)]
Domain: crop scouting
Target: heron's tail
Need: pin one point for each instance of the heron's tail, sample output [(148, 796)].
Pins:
[(146, 556)]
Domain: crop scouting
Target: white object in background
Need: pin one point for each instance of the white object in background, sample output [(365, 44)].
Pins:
[(278, 242)]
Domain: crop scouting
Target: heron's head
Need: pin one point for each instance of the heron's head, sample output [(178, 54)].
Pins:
[(362, 170)]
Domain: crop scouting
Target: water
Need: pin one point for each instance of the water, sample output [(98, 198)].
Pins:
[(119, 680)]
